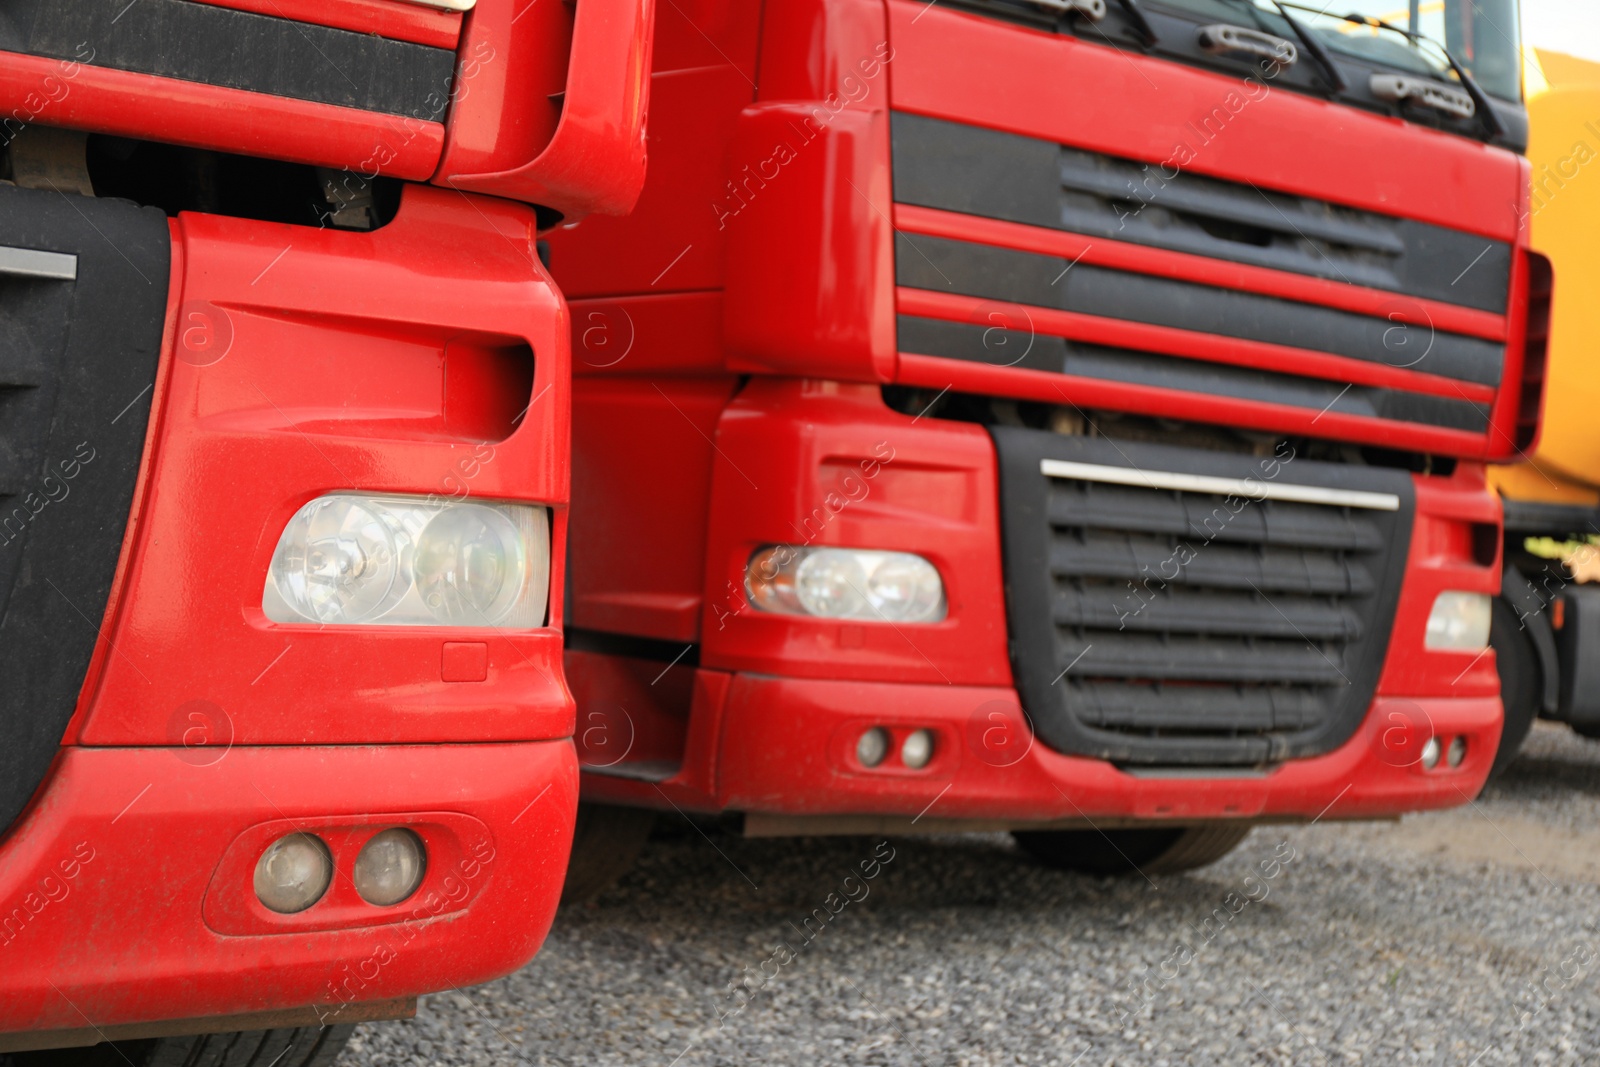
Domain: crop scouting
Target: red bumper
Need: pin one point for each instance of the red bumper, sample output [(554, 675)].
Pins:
[(150, 840), (785, 746)]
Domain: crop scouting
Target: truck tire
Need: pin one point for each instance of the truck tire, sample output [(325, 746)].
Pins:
[(606, 842), (305, 1046), (1520, 682), (1158, 850)]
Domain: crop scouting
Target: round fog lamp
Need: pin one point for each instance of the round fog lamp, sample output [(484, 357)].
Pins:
[(1430, 753), (390, 867), (293, 873), (917, 749), (873, 746), (1457, 751)]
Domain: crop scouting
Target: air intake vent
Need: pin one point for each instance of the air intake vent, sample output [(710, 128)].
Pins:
[(1169, 606)]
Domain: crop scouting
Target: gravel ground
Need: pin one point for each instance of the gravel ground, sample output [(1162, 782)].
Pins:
[(1417, 942)]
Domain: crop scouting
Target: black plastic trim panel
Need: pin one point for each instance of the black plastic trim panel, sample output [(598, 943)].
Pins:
[(1152, 626), (78, 360), (1018, 348), (212, 45), (974, 170), (1031, 279)]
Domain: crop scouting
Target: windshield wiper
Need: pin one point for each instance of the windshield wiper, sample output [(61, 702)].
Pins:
[(1336, 82), (1480, 101)]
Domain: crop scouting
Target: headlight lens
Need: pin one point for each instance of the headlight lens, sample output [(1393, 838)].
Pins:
[(1459, 622), (348, 559), (845, 583)]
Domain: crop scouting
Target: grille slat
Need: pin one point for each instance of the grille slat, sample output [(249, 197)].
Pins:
[(1149, 561), (1146, 634), (1189, 658), (1172, 707), (1116, 507), (1201, 611)]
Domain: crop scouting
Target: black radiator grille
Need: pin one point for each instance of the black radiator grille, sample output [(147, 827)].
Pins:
[(1156, 624)]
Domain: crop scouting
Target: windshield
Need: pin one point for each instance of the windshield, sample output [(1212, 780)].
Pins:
[(1480, 34)]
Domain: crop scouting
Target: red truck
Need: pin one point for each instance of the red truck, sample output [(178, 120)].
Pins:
[(1059, 416), (284, 461)]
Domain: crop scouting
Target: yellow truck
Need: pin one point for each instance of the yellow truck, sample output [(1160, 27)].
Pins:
[(1546, 625)]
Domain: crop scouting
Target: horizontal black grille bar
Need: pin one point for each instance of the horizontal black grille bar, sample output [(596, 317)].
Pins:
[(1030, 279), (969, 169), (1162, 657), (214, 45), (1238, 709), (1135, 557), (1157, 606), (1036, 351), (1158, 618), (1287, 524)]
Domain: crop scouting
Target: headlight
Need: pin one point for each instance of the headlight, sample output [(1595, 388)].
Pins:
[(1459, 622), (845, 583), (348, 559)]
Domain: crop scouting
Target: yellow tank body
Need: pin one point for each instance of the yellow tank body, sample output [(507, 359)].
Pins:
[(1563, 97)]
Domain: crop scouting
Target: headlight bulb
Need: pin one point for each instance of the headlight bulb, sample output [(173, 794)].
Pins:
[(339, 561)]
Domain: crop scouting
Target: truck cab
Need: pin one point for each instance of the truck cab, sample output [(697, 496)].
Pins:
[(1062, 417), (284, 471)]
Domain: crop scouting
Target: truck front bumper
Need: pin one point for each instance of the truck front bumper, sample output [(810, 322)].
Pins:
[(128, 898), (782, 750)]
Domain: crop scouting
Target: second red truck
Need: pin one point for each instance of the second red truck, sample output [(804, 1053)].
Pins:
[(1060, 417)]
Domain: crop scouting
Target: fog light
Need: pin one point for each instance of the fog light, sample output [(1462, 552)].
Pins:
[(390, 867), (293, 873), (873, 746), (845, 583), (1459, 622), (916, 749), (1457, 751), (1430, 753)]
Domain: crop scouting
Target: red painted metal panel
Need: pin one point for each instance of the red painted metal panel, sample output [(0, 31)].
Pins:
[(582, 153), (146, 839)]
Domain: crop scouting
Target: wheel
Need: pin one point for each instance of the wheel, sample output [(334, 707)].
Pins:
[(1520, 682), (605, 843), (1158, 850), (306, 1046)]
